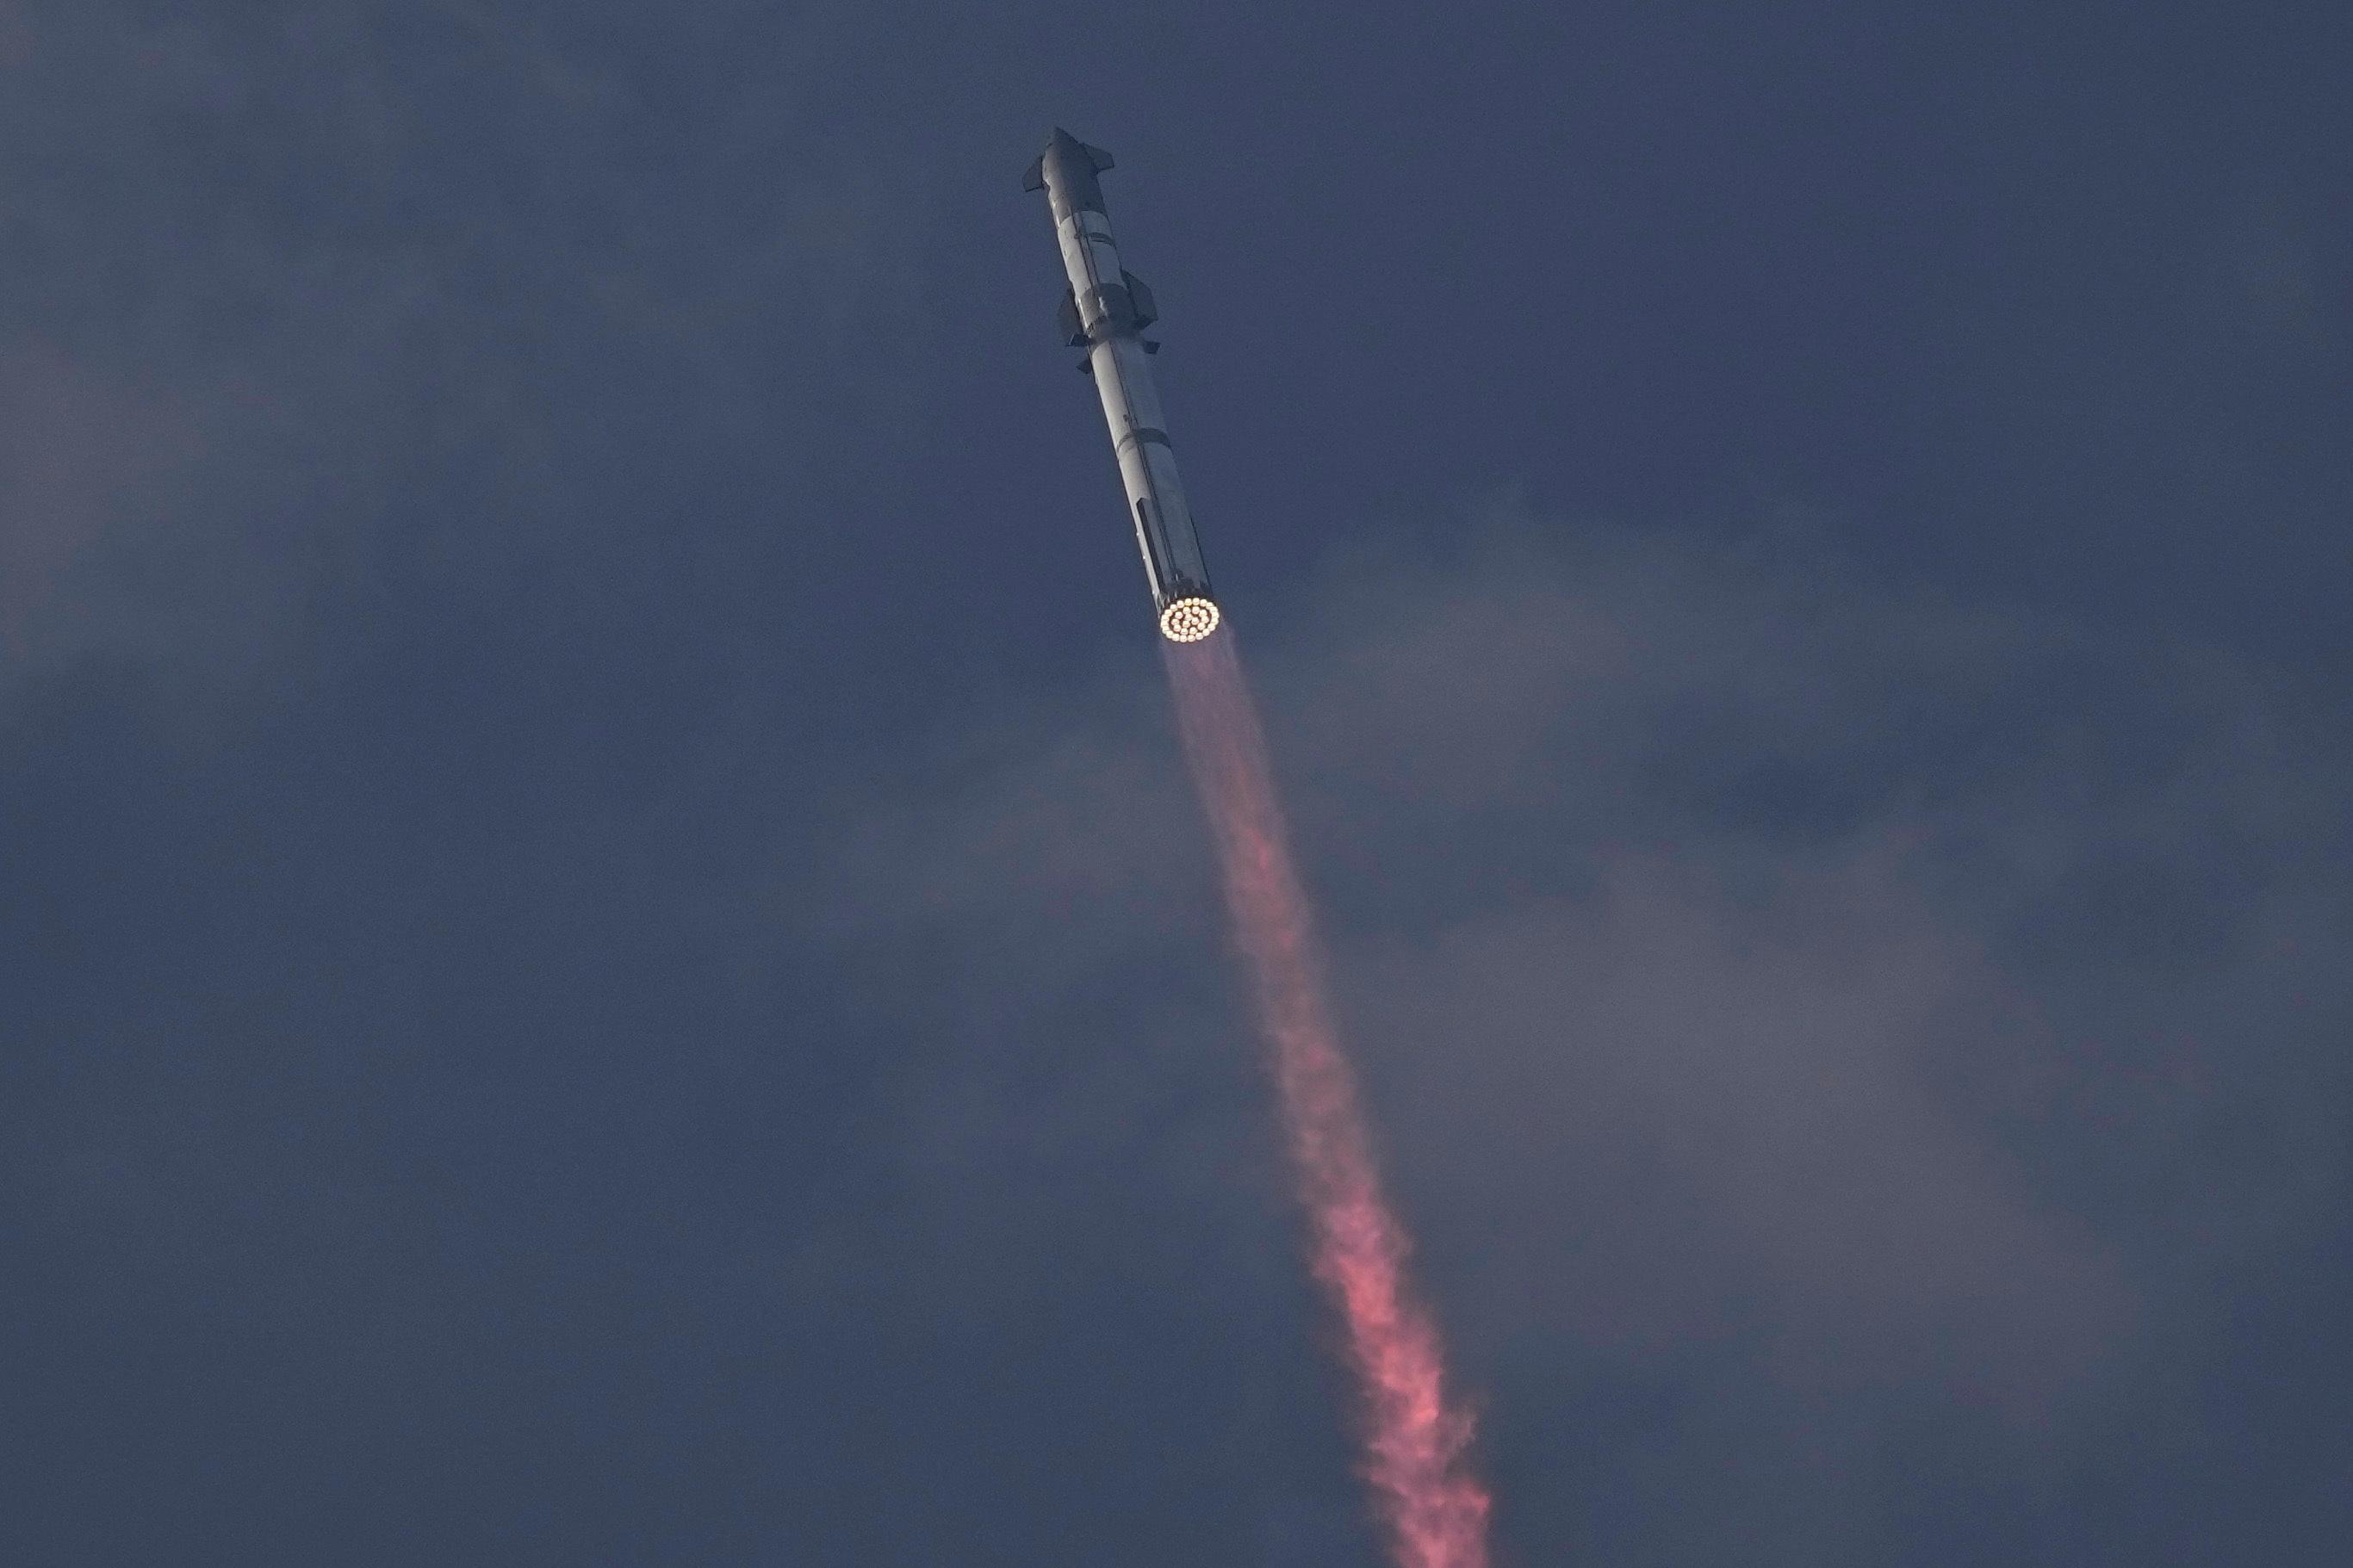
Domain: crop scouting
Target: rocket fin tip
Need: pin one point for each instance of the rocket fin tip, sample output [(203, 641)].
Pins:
[(1035, 180)]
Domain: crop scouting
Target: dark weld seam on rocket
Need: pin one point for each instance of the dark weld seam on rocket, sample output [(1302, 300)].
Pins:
[(1106, 309)]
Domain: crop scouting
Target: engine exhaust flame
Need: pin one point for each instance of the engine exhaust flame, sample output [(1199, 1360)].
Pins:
[(1415, 1441)]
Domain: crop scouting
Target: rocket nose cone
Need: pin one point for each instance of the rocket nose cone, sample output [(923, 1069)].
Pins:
[(1079, 154), (1068, 169)]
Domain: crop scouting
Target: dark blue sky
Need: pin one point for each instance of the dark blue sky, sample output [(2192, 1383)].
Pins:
[(606, 959)]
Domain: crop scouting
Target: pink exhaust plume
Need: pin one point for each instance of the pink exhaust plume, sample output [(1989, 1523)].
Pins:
[(1435, 1509)]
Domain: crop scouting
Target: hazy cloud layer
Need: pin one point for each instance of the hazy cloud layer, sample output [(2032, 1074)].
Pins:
[(284, 344), (584, 982), (1838, 1042)]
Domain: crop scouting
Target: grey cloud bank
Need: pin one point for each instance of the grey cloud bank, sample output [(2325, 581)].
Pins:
[(1842, 1046), (287, 342), (605, 960)]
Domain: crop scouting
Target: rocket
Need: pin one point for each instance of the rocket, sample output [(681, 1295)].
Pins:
[(1104, 311)]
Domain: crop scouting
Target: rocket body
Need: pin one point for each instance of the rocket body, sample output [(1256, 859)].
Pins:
[(1105, 312)]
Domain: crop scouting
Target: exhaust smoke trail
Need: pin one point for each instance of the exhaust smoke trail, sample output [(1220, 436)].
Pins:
[(1415, 1441)]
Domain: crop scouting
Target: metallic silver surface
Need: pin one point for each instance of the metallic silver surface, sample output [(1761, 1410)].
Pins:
[(1105, 312)]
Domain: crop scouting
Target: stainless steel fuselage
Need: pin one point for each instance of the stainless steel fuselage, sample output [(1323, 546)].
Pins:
[(1105, 312)]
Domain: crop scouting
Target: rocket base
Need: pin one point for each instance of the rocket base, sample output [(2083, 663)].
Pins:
[(1190, 619)]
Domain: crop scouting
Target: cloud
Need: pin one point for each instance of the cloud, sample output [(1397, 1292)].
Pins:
[(1780, 991), (283, 349)]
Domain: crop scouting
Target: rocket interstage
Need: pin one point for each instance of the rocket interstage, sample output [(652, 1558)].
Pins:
[(1104, 311)]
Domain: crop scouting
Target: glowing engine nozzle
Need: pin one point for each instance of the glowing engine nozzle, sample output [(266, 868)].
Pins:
[(1188, 620)]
